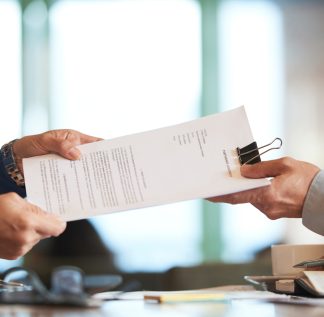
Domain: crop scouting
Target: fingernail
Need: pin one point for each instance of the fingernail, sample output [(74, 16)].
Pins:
[(74, 153)]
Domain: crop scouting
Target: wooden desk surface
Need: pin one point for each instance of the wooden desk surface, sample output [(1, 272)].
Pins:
[(123, 308)]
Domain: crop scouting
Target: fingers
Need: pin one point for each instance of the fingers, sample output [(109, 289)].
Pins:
[(237, 198), (259, 170), (22, 225), (31, 218), (64, 142), (45, 224), (267, 168), (285, 196), (67, 147)]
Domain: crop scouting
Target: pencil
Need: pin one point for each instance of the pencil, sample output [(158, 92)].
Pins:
[(190, 297)]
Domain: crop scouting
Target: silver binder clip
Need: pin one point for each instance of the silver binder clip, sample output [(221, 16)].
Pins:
[(250, 153)]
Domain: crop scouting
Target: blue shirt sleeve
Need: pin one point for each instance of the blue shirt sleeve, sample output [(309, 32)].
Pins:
[(6, 183)]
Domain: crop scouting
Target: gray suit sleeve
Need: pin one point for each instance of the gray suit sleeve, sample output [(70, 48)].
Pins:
[(313, 210)]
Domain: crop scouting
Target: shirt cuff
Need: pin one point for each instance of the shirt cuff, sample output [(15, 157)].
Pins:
[(313, 210)]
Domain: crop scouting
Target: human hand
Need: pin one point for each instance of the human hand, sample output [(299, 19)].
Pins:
[(285, 196), (62, 142), (22, 225)]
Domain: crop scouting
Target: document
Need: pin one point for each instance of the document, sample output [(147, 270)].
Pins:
[(196, 159)]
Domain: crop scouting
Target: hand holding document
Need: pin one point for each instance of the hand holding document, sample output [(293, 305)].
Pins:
[(196, 159)]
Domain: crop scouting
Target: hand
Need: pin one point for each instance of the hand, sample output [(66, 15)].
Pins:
[(22, 225), (62, 142), (285, 196)]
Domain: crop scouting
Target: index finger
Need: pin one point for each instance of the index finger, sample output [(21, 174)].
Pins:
[(45, 224), (235, 198)]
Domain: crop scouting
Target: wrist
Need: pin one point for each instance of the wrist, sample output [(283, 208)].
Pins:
[(13, 164)]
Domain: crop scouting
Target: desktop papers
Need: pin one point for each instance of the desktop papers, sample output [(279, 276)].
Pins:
[(196, 159), (218, 293)]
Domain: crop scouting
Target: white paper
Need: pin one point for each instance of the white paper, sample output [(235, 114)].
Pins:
[(230, 292), (317, 280), (196, 159)]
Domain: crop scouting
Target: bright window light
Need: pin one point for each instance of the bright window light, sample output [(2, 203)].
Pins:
[(10, 74), (10, 80), (120, 67), (251, 74)]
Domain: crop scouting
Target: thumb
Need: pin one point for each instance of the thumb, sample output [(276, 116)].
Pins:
[(67, 149), (63, 142), (263, 169)]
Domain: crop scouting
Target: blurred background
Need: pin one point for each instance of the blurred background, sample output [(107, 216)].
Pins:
[(115, 67)]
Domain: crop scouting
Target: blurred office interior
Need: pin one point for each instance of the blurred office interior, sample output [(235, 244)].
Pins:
[(115, 67)]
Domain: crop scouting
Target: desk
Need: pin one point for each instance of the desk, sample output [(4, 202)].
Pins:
[(123, 308)]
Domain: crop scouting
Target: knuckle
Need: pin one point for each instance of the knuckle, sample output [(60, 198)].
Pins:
[(12, 256), (272, 215), (234, 199), (22, 239), (12, 196), (287, 161), (62, 145), (72, 136), (17, 249), (20, 251), (24, 224), (71, 132), (44, 137), (271, 212), (267, 204)]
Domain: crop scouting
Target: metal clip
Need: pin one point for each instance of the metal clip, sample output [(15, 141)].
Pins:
[(250, 153)]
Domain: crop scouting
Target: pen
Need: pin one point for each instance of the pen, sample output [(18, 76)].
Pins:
[(310, 263)]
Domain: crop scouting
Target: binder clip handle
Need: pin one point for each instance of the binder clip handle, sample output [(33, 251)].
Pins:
[(250, 153)]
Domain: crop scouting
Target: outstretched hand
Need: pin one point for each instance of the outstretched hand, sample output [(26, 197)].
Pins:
[(23, 224), (62, 142), (285, 196)]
